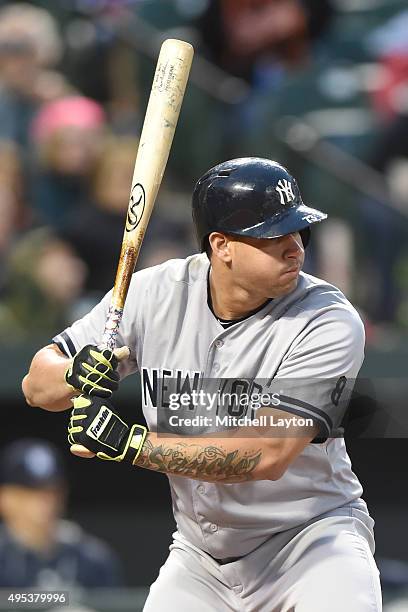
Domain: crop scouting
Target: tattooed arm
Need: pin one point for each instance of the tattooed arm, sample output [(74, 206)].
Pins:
[(235, 458), (207, 459)]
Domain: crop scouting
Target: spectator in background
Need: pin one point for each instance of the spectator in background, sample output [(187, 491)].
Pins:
[(13, 217), (96, 231), (388, 43), (37, 548), (29, 46), (101, 63), (45, 280), (384, 226), (68, 136), (243, 36), (260, 41), (385, 230)]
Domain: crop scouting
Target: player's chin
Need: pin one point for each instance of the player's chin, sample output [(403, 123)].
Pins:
[(277, 286), (287, 283)]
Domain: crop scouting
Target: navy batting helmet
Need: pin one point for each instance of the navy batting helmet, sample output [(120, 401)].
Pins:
[(251, 196)]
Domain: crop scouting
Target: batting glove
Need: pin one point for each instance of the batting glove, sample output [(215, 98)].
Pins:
[(93, 371), (95, 425)]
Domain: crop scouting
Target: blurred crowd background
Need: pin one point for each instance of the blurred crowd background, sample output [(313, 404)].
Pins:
[(320, 85)]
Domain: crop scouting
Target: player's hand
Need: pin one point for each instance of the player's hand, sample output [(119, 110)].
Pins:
[(93, 371), (95, 425)]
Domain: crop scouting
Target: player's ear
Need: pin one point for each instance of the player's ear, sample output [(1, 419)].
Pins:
[(220, 246)]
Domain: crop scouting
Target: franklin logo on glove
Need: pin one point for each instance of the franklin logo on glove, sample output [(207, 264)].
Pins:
[(95, 425), (99, 423)]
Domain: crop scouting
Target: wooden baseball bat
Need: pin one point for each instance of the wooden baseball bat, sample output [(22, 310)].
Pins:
[(163, 109)]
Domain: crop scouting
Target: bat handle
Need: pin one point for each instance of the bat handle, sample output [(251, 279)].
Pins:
[(123, 352), (110, 334), (112, 327)]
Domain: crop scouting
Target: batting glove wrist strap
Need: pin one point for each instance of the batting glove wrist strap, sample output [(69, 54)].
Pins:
[(95, 424), (136, 440), (93, 371)]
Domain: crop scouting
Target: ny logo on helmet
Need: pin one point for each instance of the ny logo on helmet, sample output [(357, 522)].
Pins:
[(284, 188)]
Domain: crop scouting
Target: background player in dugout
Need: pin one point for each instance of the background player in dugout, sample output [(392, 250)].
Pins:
[(263, 522)]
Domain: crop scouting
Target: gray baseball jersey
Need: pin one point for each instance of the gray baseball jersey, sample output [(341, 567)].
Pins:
[(312, 333)]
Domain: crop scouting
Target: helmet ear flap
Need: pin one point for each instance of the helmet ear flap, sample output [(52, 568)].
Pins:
[(305, 236)]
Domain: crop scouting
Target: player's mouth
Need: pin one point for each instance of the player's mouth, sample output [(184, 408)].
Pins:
[(294, 271)]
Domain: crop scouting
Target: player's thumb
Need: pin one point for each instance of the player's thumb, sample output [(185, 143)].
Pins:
[(122, 353), (81, 451)]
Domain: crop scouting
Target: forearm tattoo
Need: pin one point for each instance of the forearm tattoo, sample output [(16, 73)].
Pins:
[(198, 461)]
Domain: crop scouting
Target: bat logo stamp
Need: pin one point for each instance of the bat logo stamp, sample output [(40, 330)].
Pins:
[(136, 208)]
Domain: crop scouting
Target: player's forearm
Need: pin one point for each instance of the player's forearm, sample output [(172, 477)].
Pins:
[(45, 385), (226, 460)]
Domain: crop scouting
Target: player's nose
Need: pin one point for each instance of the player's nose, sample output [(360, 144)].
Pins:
[(292, 244)]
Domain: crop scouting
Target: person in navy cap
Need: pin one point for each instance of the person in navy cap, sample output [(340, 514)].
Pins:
[(37, 547)]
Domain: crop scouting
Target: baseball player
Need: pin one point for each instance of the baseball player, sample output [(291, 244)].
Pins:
[(271, 523)]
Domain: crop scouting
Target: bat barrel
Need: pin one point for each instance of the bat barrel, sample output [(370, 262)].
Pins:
[(163, 109)]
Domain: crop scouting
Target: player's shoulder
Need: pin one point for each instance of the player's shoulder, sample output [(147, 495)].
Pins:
[(189, 270), (315, 291), (323, 302)]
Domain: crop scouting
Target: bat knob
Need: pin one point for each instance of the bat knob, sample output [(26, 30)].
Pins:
[(122, 353)]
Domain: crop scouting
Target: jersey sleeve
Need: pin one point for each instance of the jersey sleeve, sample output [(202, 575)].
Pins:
[(318, 374), (89, 330)]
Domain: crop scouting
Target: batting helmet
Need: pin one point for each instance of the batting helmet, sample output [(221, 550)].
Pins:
[(251, 196)]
